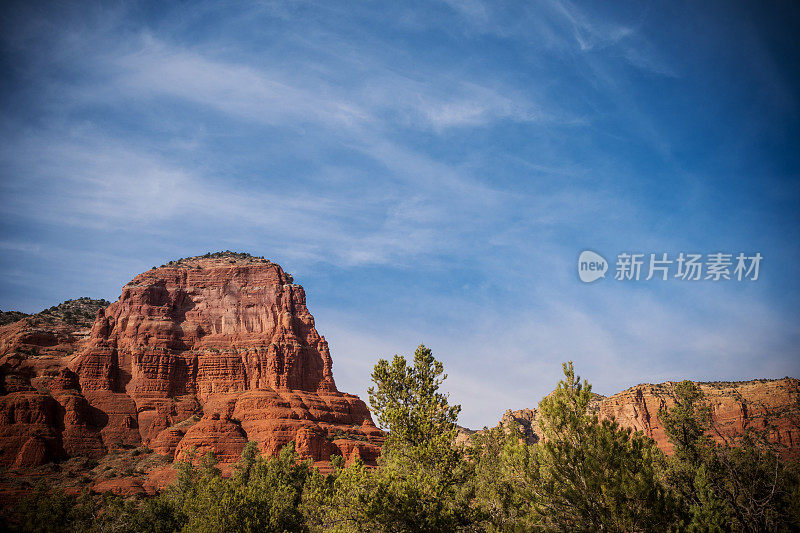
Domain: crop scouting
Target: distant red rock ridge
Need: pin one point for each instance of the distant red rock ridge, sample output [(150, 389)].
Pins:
[(768, 405)]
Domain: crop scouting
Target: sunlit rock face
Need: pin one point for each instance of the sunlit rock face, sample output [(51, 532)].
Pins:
[(769, 407), (208, 353)]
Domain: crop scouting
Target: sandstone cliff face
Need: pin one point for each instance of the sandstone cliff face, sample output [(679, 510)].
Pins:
[(206, 352), (772, 406), (764, 405)]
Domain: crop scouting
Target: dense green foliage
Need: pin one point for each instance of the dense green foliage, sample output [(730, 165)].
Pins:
[(595, 475), (584, 475), (742, 485)]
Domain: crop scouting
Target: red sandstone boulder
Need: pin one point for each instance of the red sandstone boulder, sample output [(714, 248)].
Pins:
[(159, 479), (32, 453), (220, 436), (29, 428)]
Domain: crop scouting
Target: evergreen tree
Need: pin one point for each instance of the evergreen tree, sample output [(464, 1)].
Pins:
[(262, 495), (407, 401), (421, 483), (740, 485), (506, 474), (593, 475)]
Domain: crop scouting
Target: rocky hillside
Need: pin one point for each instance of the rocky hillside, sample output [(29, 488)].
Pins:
[(33, 346), (207, 352), (763, 405), (7, 317)]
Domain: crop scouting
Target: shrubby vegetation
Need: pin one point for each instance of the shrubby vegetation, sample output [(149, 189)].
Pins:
[(7, 317), (585, 475), (80, 312), (227, 254), (232, 257)]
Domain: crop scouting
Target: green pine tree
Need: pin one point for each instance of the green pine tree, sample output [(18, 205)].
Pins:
[(594, 475)]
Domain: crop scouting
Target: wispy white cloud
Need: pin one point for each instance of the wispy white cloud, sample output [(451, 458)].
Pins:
[(89, 181), (248, 93), (588, 33), (569, 29), (274, 96), (24, 247)]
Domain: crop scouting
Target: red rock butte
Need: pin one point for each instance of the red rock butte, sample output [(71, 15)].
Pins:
[(207, 352)]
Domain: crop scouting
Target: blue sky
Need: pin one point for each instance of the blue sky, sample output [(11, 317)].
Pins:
[(429, 172)]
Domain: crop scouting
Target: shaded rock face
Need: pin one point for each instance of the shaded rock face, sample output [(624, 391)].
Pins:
[(771, 406), (524, 423), (207, 352)]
